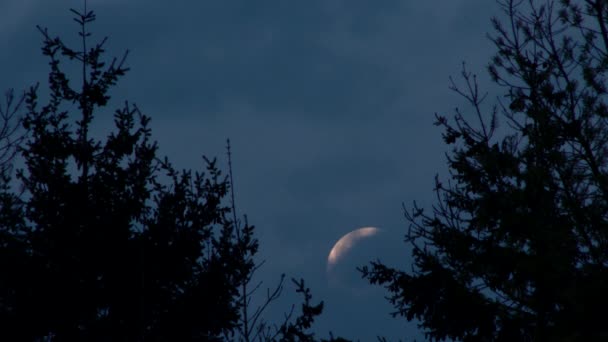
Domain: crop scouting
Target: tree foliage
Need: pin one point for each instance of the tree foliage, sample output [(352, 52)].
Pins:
[(516, 248), (10, 136), (108, 241)]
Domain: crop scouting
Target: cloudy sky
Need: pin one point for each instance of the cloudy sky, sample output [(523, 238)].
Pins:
[(329, 105)]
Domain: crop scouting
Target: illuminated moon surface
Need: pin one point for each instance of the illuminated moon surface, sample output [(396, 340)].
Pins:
[(346, 243)]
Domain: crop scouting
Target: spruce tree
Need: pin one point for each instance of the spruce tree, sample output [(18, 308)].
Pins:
[(108, 241), (516, 247)]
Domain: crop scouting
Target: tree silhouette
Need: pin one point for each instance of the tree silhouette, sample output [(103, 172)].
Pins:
[(516, 248), (108, 241), (10, 136), (13, 255)]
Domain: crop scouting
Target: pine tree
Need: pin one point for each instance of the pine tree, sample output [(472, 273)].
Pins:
[(108, 241), (516, 248), (13, 256)]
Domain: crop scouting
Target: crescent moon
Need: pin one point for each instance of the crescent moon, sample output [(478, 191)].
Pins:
[(347, 242)]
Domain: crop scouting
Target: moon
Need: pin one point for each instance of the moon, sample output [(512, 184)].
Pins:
[(346, 243)]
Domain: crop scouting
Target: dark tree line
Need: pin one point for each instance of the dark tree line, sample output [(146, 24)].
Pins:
[(516, 248), (103, 239)]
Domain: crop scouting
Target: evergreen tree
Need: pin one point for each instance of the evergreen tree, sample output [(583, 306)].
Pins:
[(13, 255), (106, 241), (516, 248), (10, 135), (109, 242)]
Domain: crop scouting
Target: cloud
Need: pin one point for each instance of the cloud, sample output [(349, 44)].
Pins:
[(13, 15)]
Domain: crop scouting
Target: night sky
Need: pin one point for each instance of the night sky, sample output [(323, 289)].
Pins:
[(329, 106)]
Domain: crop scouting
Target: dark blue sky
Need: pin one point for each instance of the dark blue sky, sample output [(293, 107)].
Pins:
[(329, 105)]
